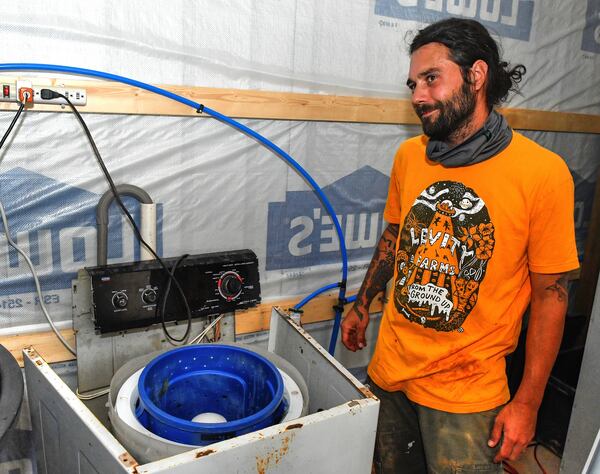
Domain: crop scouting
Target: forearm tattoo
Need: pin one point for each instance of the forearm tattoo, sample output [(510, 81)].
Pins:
[(560, 287), (381, 268)]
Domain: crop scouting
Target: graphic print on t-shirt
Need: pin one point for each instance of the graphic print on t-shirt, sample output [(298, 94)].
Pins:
[(444, 248)]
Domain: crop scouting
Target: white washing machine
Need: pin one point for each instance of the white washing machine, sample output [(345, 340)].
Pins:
[(336, 436)]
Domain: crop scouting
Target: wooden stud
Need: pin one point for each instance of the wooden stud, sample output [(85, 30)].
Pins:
[(46, 344), (116, 98), (248, 321)]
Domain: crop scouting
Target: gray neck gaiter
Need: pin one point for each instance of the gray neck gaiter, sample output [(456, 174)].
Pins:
[(491, 139)]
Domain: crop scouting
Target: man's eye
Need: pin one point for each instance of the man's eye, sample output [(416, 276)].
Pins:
[(411, 86), (430, 78)]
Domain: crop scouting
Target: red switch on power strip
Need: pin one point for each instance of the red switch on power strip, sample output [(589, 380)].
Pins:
[(26, 95)]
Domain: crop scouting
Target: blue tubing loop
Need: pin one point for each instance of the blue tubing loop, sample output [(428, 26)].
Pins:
[(213, 113), (338, 312), (316, 293)]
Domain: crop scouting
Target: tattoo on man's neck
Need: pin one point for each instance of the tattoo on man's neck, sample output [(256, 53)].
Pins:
[(560, 287)]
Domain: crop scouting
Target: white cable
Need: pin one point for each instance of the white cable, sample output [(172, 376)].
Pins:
[(92, 395), (35, 278), (203, 334)]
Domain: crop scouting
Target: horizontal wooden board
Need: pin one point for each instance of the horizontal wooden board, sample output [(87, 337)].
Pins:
[(46, 344), (248, 321), (116, 98)]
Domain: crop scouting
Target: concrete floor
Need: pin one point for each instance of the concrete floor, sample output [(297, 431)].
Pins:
[(526, 463)]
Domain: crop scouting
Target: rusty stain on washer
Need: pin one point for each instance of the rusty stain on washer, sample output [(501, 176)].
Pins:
[(353, 403), (273, 456), (294, 426), (206, 452), (128, 460), (367, 393)]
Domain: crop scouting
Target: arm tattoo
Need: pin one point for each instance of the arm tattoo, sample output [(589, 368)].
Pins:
[(381, 268), (382, 272), (560, 287)]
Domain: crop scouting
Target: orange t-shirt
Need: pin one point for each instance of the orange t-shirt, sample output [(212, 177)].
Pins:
[(469, 236)]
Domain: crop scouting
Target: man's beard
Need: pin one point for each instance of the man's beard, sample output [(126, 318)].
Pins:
[(453, 114)]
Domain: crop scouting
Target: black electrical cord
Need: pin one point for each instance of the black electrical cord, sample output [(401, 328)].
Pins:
[(511, 470), (50, 94), (535, 456), (12, 124), (163, 303)]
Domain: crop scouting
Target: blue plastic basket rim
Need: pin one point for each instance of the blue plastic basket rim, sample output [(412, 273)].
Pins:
[(211, 428)]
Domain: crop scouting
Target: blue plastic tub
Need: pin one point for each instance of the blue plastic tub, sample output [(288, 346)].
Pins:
[(236, 383)]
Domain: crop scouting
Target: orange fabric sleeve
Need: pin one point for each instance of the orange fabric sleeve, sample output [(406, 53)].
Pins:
[(392, 211), (551, 246)]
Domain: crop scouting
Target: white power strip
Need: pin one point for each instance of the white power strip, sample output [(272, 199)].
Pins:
[(9, 93), (76, 96)]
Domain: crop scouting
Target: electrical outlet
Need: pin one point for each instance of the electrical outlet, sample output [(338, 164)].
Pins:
[(24, 91), (76, 96)]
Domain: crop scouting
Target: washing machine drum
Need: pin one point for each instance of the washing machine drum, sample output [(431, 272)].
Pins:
[(200, 394)]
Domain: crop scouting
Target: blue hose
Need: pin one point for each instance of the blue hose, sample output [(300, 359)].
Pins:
[(316, 293), (213, 113), (338, 312)]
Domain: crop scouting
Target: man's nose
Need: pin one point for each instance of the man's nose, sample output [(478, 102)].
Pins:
[(420, 95)]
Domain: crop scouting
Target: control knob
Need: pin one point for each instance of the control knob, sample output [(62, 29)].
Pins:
[(120, 300), (230, 285), (149, 296)]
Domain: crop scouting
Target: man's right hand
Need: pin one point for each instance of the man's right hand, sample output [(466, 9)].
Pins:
[(354, 327)]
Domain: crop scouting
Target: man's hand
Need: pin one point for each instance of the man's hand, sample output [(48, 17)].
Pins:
[(515, 425), (354, 327)]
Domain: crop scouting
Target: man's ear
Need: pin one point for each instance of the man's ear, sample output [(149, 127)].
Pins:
[(479, 71)]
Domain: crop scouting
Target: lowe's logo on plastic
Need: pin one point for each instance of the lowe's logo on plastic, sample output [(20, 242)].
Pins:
[(510, 18), (301, 233), (55, 224), (591, 33)]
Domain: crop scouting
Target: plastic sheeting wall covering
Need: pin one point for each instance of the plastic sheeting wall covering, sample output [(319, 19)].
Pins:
[(215, 188), (332, 46)]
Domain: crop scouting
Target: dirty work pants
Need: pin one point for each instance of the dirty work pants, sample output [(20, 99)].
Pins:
[(414, 439)]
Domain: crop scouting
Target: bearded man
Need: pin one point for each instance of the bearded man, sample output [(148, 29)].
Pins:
[(480, 226)]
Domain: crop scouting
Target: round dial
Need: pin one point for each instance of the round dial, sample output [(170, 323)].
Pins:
[(120, 299), (149, 296), (230, 285)]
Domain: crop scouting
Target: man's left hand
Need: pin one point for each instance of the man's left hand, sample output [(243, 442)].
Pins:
[(515, 425)]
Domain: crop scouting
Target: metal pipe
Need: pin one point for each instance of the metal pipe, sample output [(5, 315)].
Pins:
[(102, 215), (148, 229)]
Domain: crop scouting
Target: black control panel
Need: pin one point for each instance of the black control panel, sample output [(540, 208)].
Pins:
[(126, 296)]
